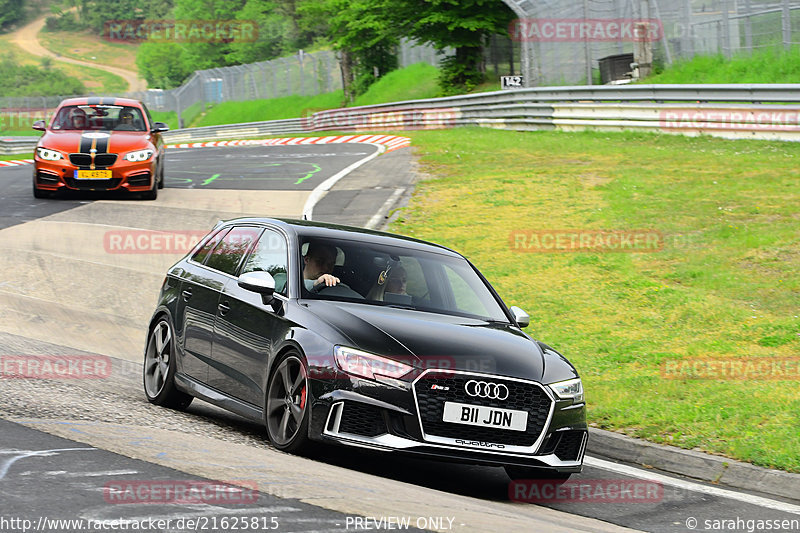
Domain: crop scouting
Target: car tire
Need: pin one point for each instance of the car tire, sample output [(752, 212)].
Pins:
[(286, 407), (522, 472), (38, 193), (159, 368), (161, 174), (152, 194)]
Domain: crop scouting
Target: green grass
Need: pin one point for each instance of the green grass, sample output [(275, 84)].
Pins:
[(414, 82), (272, 109), (170, 118), (15, 157), (724, 286), (96, 80), (767, 66), (87, 46)]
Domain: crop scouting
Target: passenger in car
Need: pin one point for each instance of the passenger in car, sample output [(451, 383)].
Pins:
[(398, 277), (318, 263), (126, 121)]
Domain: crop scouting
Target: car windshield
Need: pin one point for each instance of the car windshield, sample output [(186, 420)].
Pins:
[(99, 117), (396, 276)]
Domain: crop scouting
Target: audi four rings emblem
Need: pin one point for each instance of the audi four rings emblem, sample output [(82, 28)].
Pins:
[(483, 389)]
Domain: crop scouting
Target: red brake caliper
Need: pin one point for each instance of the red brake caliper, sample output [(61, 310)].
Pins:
[(303, 398)]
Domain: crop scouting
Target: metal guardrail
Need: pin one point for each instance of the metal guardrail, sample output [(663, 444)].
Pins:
[(20, 145), (763, 111)]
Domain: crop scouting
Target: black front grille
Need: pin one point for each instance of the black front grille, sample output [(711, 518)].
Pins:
[(362, 419), (45, 178), (522, 396), (100, 160), (105, 160), (570, 445), (80, 160), (92, 184), (139, 180)]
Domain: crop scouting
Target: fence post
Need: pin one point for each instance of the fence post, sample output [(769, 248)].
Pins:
[(786, 22), (587, 50), (726, 29), (748, 27), (688, 40)]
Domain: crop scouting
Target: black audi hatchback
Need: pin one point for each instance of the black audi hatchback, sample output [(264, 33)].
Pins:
[(361, 338)]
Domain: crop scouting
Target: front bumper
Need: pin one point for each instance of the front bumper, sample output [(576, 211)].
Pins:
[(367, 416), (125, 176)]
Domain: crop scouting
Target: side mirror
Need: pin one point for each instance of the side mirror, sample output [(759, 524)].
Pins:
[(260, 282), (522, 318), (159, 127), (39, 125)]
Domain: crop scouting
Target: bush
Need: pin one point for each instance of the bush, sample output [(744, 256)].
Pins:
[(29, 80)]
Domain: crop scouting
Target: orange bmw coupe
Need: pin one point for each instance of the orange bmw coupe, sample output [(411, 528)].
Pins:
[(99, 144)]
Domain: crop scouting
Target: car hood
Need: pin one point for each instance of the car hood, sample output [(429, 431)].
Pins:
[(435, 340), (103, 141)]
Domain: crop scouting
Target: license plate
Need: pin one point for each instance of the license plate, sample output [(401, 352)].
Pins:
[(93, 174), (479, 415)]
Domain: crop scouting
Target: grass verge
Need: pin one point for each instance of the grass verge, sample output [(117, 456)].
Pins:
[(766, 66), (95, 79), (723, 287), (16, 157), (87, 46)]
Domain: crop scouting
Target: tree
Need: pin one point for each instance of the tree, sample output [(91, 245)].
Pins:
[(462, 24), (10, 12), (364, 38), (209, 54), (273, 31), (162, 64)]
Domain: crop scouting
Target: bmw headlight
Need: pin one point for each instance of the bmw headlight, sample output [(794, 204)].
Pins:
[(368, 365), (138, 156), (49, 155), (569, 390)]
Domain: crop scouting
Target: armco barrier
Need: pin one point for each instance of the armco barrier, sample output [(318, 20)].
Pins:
[(758, 111)]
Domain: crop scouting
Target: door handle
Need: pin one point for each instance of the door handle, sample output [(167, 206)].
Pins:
[(186, 294), (223, 308)]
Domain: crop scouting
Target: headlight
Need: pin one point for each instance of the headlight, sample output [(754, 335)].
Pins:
[(139, 155), (368, 365), (49, 155), (571, 389)]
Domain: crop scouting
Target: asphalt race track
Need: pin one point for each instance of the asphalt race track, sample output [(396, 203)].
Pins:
[(72, 449)]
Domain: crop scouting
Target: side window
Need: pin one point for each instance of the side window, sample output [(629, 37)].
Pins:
[(201, 254), (270, 255), (465, 298), (229, 252), (416, 284), (147, 114)]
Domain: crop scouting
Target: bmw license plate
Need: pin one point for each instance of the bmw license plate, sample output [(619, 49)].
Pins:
[(93, 174), (479, 415)]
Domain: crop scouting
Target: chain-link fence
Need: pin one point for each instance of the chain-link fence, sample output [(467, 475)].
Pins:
[(553, 42), (565, 40), (302, 73)]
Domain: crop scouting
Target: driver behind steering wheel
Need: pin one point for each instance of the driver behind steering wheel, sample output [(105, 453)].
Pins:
[(319, 262)]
